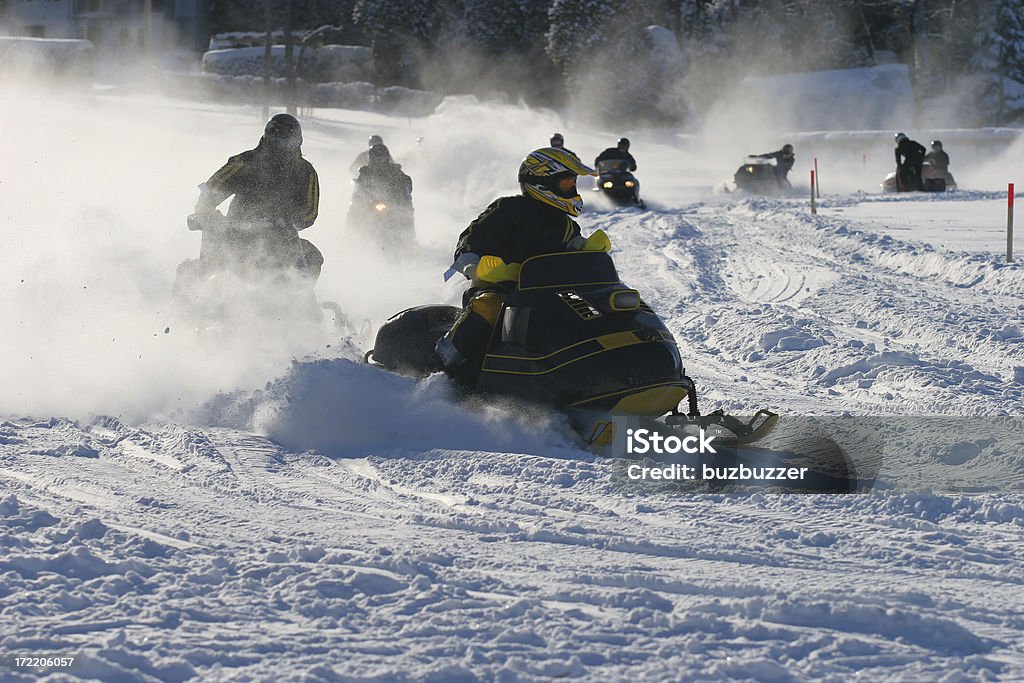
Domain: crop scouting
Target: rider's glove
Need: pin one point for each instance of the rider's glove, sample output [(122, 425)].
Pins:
[(465, 264)]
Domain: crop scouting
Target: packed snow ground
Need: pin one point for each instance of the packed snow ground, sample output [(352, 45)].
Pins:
[(172, 509)]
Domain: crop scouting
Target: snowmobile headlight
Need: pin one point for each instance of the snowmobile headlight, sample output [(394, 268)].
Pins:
[(630, 183), (608, 185), (380, 206), (624, 300)]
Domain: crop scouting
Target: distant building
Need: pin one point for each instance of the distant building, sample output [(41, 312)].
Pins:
[(111, 24)]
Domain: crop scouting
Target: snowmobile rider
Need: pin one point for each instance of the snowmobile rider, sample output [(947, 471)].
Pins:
[(558, 142), (938, 160), (909, 159), (513, 228), (620, 151), (382, 178), (784, 159), (363, 157), (272, 185)]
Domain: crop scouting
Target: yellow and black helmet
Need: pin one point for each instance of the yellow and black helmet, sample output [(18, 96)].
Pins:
[(543, 175)]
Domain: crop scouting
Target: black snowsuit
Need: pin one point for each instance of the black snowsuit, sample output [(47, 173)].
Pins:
[(939, 161), (783, 165), (385, 181), (394, 230), (616, 153), (278, 188), (513, 228), (268, 186), (362, 159), (516, 228), (909, 159)]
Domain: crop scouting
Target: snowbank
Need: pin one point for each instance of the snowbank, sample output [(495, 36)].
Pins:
[(331, 63), (46, 57), (360, 95)]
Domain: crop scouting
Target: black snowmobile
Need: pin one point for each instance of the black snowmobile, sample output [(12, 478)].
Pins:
[(382, 221), (574, 337), (383, 215), (618, 184), (247, 272), (757, 176), (931, 181)]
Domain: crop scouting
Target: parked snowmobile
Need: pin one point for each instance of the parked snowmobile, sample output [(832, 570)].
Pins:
[(245, 272), (757, 176), (935, 180), (574, 337), (618, 184), (932, 182)]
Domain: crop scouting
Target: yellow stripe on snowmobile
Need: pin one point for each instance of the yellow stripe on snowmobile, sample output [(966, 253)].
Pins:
[(616, 340), (548, 370), (633, 390), (655, 401), (564, 348), (543, 372), (571, 284)]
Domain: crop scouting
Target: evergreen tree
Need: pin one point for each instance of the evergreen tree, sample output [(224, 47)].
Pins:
[(500, 46), (401, 32), (249, 15), (998, 62), (603, 49)]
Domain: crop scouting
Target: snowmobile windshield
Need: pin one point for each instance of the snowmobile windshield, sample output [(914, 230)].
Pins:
[(612, 165)]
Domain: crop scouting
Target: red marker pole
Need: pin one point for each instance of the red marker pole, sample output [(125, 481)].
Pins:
[(1009, 225), (817, 189), (814, 207)]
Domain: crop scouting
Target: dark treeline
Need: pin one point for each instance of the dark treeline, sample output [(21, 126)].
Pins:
[(665, 60)]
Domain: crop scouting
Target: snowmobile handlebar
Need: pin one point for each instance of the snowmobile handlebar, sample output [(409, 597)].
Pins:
[(218, 222)]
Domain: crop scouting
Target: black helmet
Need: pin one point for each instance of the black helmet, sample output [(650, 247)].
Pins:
[(623, 141), (900, 137), (283, 131), (379, 154), (557, 140), (375, 140), (787, 148), (937, 144)]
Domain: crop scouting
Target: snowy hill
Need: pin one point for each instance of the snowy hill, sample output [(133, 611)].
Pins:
[(265, 508)]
